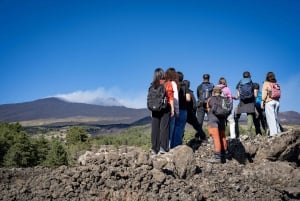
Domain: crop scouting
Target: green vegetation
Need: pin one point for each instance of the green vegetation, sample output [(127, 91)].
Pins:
[(19, 149), (135, 136)]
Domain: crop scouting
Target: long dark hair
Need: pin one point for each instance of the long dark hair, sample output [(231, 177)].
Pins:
[(159, 74), (271, 77)]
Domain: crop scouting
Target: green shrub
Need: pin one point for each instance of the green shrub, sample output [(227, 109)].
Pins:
[(134, 136), (76, 135), (16, 149), (57, 155)]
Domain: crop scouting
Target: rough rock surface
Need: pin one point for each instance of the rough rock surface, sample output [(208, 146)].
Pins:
[(262, 168)]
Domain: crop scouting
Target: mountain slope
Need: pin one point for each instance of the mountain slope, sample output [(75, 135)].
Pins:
[(54, 108)]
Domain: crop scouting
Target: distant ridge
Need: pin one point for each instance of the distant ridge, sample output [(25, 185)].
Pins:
[(55, 108), (57, 111)]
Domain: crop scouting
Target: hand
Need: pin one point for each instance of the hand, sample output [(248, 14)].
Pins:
[(172, 113), (262, 105)]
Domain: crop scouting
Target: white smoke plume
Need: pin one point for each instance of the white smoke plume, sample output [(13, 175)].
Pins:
[(106, 97)]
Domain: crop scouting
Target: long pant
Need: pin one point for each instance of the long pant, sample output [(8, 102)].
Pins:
[(271, 110), (172, 129), (192, 120), (200, 114), (219, 139), (160, 130), (231, 121), (250, 117), (259, 121), (179, 128)]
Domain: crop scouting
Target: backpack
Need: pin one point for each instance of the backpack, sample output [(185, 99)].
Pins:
[(205, 91), (156, 98), (246, 90), (221, 106), (275, 91), (258, 99)]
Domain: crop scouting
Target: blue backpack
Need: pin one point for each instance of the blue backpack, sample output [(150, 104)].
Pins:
[(246, 90), (205, 91)]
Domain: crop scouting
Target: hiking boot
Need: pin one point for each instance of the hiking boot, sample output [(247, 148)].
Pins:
[(152, 152), (227, 155), (204, 141)]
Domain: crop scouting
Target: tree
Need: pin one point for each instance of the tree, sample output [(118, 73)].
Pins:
[(57, 155), (15, 146), (76, 135)]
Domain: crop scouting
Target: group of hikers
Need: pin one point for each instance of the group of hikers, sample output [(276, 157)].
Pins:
[(173, 104)]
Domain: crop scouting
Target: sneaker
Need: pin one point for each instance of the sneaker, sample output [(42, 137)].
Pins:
[(152, 152), (214, 160), (162, 151)]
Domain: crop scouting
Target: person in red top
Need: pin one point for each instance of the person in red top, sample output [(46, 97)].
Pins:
[(160, 125)]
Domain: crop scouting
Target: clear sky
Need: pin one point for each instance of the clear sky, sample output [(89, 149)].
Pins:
[(90, 51)]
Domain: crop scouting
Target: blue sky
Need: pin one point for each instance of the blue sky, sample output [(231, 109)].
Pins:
[(91, 51)]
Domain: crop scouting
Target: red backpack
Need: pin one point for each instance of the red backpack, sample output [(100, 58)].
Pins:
[(274, 91)]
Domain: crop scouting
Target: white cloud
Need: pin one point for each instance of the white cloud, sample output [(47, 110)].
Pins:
[(107, 97)]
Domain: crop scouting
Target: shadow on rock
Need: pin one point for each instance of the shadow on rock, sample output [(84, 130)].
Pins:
[(194, 144), (237, 151)]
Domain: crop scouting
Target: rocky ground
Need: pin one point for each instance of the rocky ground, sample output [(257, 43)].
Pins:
[(262, 168)]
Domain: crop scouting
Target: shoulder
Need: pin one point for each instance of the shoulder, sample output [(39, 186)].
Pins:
[(200, 85)]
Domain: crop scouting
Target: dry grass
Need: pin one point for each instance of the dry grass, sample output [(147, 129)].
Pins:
[(74, 120)]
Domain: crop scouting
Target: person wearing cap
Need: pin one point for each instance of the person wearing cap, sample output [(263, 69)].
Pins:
[(245, 105), (216, 128), (204, 91)]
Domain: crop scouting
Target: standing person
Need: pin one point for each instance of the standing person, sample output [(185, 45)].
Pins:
[(259, 120), (171, 75), (216, 127), (191, 114), (226, 92), (181, 120), (204, 91), (245, 92), (160, 119), (270, 97)]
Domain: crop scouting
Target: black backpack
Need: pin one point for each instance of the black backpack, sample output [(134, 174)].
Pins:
[(205, 91), (156, 98), (246, 90), (221, 106)]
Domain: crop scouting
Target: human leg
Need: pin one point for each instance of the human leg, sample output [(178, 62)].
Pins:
[(165, 131), (192, 120), (256, 122), (231, 122), (179, 128), (172, 129), (270, 115), (250, 117), (214, 133), (278, 126), (236, 120), (155, 133)]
